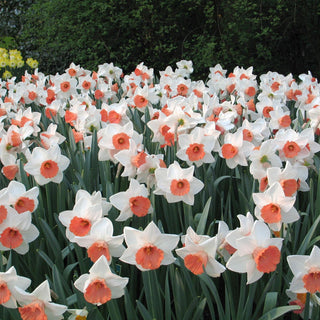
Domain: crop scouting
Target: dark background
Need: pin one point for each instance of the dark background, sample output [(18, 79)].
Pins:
[(270, 35)]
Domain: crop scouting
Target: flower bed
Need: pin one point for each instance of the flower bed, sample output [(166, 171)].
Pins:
[(137, 196)]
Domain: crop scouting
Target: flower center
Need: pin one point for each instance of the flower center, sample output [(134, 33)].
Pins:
[(139, 205), (24, 204), (5, 293), (3, 213), (149, 257), (65, 86), (196, 262), (33, 311), (179, 187), (49, 169), (312, 281), (195, 152), (247, 135), (267, 259), (121, 141), (11, 238), (80, 226), (140, 101), (291, 149), (285, 121), (266, 111), (97, 249), (271, 213), (139, 159), (98, 292), (289, 186), (229, 151)]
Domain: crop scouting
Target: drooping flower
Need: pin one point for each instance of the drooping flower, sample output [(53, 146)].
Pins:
[(100, 285), (299, 299), (148, 249)]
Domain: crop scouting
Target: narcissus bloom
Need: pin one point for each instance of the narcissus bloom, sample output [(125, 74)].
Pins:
[(196, 147), (78, 314), (134, 201), (100, 241), (299, 299), (114, 138), (9, 280), (87, 210), (235, 149), (148, 249), (256, 253), (306, 272), (289, 178), (101, 285), (246, 224), (16, 231), (177, 184), (37, 305), (17, 196), (47, 165), (274, 208), (131, 159), (199, 254)]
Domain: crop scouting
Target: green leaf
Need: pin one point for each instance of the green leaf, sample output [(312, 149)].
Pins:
[(143, 311), (278, 312), (199, 310), (213, 289), (167, 299), (95, 315), (114, 310), (71, 299), (152, 293), (68, 269), (52, 243), (57, 284), (270, 301), (305, 243), (130, 311), (45, 257), (203, 219)]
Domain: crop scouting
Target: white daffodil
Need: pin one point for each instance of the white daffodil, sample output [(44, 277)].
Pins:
[(47, 165), (101, 285), (148, 249)]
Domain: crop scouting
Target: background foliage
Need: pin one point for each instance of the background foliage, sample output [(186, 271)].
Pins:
[(272, 35)]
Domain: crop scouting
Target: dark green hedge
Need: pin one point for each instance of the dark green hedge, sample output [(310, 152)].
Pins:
[(277, 35)]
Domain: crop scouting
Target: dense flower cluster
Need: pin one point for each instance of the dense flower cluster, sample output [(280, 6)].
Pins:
[(268, 126), (10, 60)]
